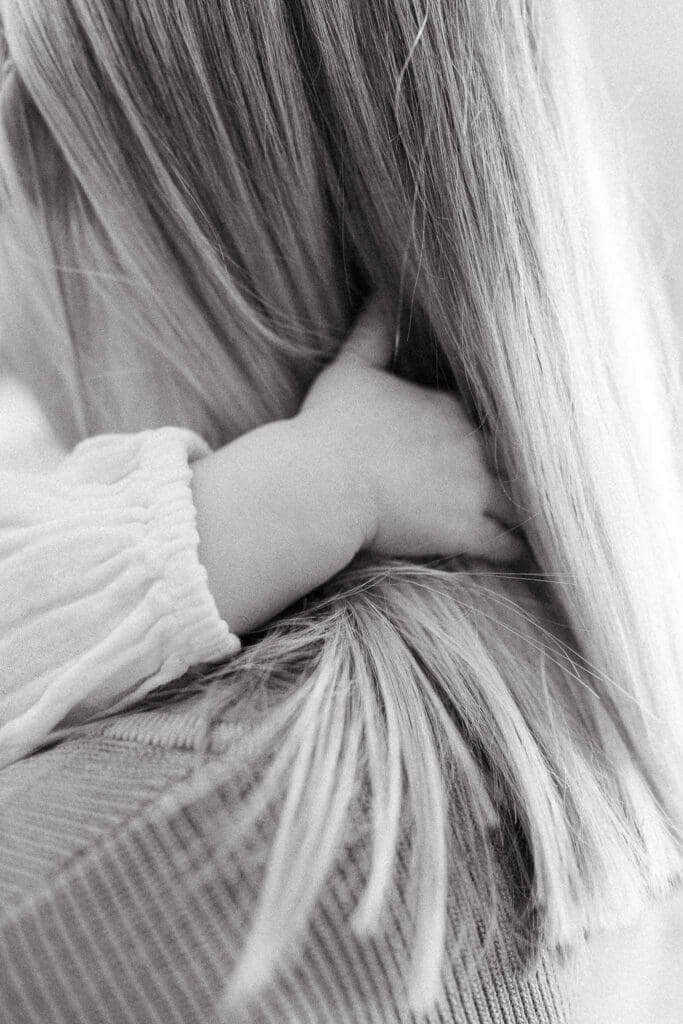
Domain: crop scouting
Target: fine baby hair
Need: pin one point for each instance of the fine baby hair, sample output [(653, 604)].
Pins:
[(196, 198)]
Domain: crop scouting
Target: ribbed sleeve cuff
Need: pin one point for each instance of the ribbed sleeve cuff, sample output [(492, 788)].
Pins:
[(103, 597), (171, 548)]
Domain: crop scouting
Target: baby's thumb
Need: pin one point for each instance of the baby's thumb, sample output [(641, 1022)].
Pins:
[(371, 340)]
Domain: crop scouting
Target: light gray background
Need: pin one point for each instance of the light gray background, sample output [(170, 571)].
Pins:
[(638, 45)]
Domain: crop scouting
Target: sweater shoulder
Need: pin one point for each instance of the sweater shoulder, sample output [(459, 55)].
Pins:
[(112, 871)]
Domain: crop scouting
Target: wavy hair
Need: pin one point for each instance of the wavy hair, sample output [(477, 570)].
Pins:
[(196, 198)]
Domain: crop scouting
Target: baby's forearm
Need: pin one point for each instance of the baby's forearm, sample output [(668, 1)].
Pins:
[(277, 516)]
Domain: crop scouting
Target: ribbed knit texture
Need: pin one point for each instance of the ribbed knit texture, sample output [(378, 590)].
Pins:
[(101, 921), (102, 594)]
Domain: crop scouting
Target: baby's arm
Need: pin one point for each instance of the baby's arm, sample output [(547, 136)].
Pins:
[(370, 461), (104, 562)]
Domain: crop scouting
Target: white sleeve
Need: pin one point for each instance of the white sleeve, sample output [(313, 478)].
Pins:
[(102, 594)]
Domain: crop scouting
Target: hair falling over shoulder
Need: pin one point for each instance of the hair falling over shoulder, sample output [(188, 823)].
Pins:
[(197, 197)]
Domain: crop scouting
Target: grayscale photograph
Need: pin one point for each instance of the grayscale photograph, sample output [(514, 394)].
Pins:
[(341, 512)]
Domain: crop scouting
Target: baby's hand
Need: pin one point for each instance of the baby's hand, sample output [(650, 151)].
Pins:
[(419, 464), (370, 462)]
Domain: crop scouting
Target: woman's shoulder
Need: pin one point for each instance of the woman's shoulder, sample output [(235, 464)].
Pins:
[(119, 898)]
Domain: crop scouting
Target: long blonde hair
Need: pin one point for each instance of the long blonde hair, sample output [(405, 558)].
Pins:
[(197, 197)]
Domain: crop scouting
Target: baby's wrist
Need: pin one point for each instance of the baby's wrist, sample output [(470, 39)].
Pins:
[(339, 474), (277, 517)]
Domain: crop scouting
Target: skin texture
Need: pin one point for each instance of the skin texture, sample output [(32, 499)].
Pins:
[(370, 462)]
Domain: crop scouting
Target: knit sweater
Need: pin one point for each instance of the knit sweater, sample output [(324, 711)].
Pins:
[(105, 919)]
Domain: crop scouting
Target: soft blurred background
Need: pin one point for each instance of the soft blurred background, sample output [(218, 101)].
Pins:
[(638, 45)]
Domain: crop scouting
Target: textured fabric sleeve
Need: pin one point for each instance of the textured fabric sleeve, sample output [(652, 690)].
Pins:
[(102, 594)]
